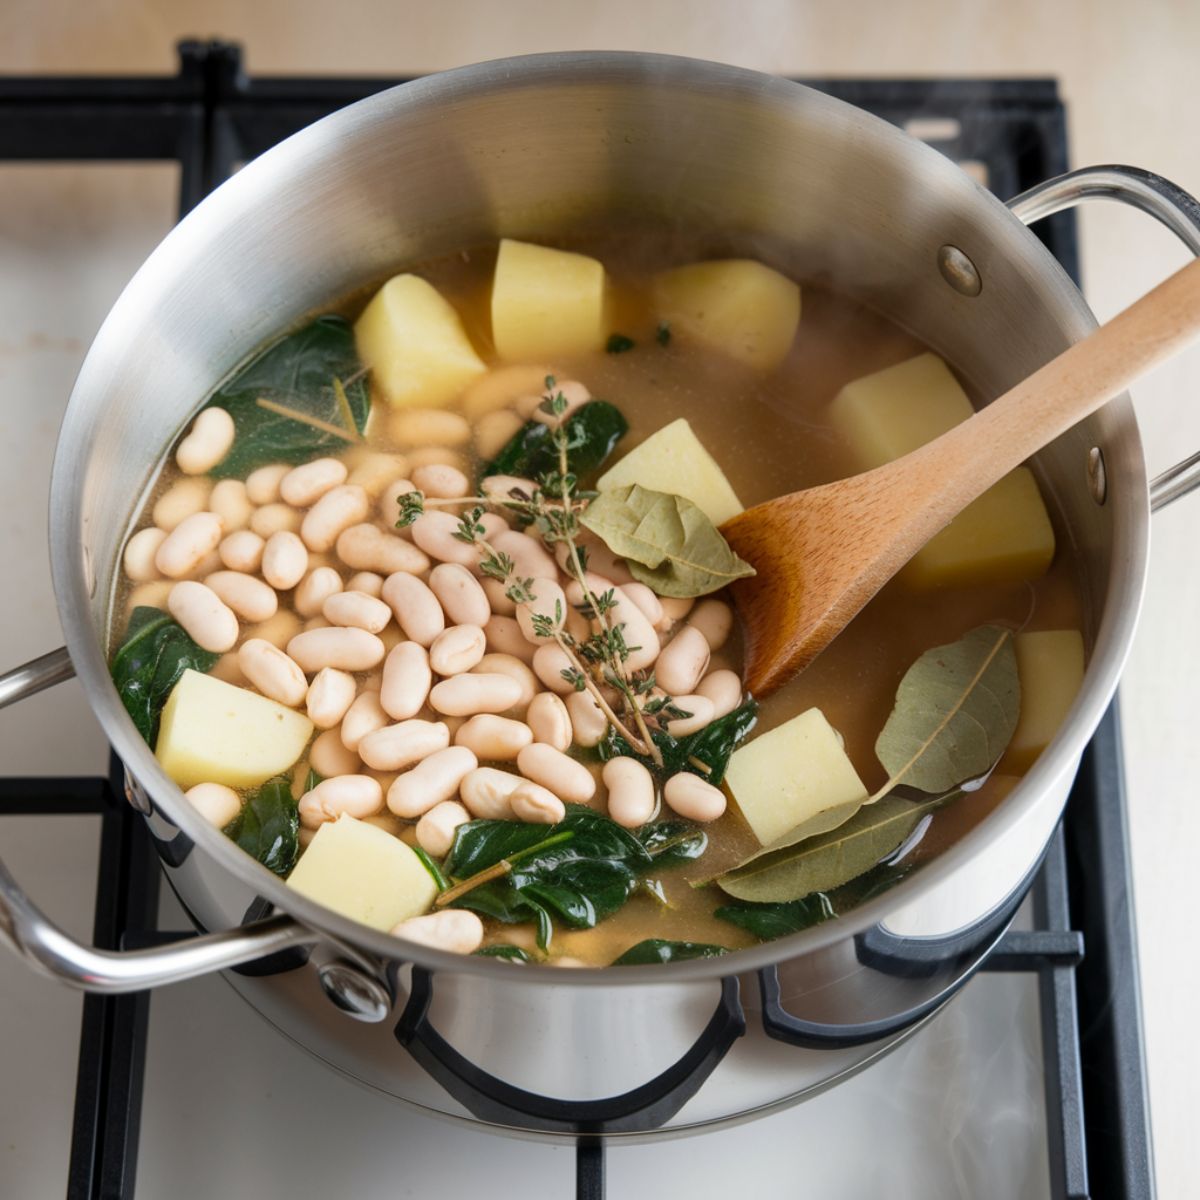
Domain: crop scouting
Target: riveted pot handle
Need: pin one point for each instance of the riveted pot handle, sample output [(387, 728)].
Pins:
[(1166, 202), (35, 676)]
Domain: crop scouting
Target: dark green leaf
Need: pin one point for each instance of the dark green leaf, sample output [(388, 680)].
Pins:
[(499, 901), (481, 844), (155, 653), (430, 864), (505, 951), (662, 335), (592, 433), (268, 826), (713, 746), (618, 343), (657, 950), (769, 921), (299, 372), (671, 843), (310, 781)]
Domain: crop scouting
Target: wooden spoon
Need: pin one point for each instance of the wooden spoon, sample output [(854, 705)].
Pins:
[(822, 553)]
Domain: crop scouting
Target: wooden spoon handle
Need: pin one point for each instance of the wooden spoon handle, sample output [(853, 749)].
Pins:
[(964, 462)]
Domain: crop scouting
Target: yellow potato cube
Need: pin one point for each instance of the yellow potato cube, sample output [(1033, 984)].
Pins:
[(214, 732), (1002, 537), (735, 306), (674, 460), (790, 775), (1050, 668), (364, 873), (547, 302), (413, 341)]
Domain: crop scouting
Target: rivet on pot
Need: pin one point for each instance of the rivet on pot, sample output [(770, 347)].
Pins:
[(354, 991), (959, 271), (1097, 476)]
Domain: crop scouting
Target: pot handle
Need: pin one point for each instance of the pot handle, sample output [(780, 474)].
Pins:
[(1166, 202)]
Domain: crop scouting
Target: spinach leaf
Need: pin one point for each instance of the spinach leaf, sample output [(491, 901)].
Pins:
[(503, 950), (713, 745), (268, 826), (311, 780), (671, 843), (148, 664), (298, 372), (657, 950), (430, 864), (499, 901), (592, 433), (768, 921)]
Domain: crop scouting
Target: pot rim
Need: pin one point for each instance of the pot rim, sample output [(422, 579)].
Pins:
[(70, 571)]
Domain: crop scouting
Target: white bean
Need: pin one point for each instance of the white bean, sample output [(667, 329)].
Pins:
[(630, 792), (436, 456), (204, 616), (432, 781), (424, 426), (460, 594), (334, 513), (415, 606), (363, 717), (466, 695), (356, 795), (329, 757), (724, 689), (356, 609), (262, 485), (389, 501), (346, 649), (674, 608), (207, 442), (242, 551), (493, 738), (284, 561), (441, 482), (305, 485), (549, 663), (549, 720), (182, 550), (314, 589), (365, 548), (640, 635), (250, 598), (365, 581), (457, 649), (683, 661), (514, 668), (230, 502), (500, 387), (373, 472), (436, 829), (434, 532), (278, 630), (587, 719), (600, 559), (273, 672), (714, 619), (701, 709), (406, 680), (504, 636), (149, 595), (497, 593), (530, 557), (536, 805), (573, 392), (566, 778), (274, 518), (494, 431), (549, 602), (329, 697), (692, 798), (455, 929), (208, 565), (485, 792), (140, 552), (180, 501), (646, 600), (215, 802), (395, 747)]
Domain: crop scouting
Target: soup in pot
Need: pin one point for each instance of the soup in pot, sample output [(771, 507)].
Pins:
[(429, 610)]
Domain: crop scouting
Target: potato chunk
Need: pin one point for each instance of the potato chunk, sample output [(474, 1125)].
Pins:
[(735, 306), (790, 775), (364, 873), (1002, 537), (214, 732), (415, 344), (547, 302), (1050, 667), (674, 460)]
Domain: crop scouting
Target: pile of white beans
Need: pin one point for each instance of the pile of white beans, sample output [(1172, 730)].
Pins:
[(435, 700)]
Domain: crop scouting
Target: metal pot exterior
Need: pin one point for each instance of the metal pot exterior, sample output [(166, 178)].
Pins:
[(536, 147)]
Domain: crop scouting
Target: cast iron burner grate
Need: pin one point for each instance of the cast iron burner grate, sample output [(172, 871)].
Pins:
[(209, 117)]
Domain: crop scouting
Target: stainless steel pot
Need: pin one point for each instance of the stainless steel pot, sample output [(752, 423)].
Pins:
[(535, 146)]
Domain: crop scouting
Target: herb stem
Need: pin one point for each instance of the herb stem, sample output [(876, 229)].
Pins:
[(306, 419), (590, 684), (500, 869), (344, 408)]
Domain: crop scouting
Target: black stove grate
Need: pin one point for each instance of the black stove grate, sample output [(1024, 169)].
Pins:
[(209, 118)]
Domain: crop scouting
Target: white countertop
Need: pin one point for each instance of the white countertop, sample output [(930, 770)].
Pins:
[(1127, 74)]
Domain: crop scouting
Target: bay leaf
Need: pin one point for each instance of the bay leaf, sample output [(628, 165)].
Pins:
[(669, 543), (831, 859), (955, 712)]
